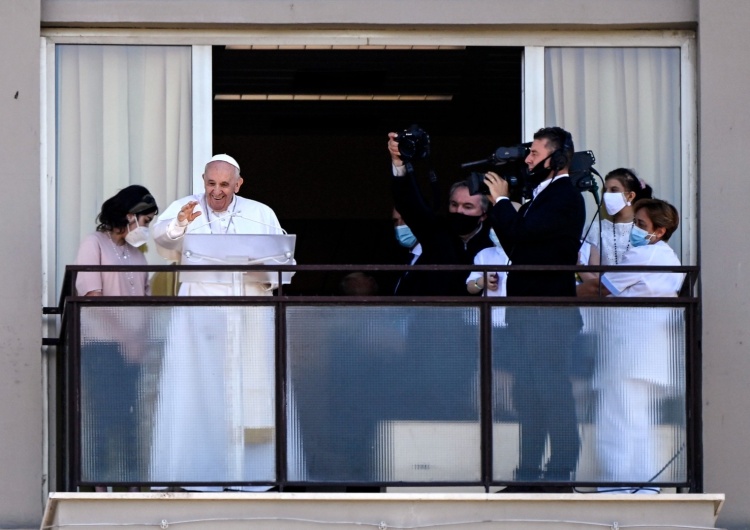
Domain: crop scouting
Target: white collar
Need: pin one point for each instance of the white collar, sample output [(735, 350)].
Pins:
[(543, 185)]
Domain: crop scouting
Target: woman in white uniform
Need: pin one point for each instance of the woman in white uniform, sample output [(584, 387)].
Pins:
[(622, 189), (636, 367)]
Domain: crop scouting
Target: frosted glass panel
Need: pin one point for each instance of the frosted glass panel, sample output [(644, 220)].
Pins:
[(177, 395), (384, 393), (605, 405)]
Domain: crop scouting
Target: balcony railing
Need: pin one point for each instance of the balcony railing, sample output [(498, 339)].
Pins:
[(294, 391)]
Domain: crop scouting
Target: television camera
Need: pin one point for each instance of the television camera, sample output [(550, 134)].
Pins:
[(509, 163)]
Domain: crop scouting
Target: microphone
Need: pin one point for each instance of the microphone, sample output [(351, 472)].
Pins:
[(232, 215), (190, 229), (240, 216)]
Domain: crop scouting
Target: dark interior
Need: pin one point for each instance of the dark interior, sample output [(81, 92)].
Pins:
[(323, 166)]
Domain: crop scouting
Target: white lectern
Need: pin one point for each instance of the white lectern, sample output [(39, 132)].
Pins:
[(237, 249)]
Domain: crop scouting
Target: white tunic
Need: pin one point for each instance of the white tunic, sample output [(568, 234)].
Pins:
[(215, 411), (614, 242), (662, 284), (641, 342), (640, 362), (243, 216)]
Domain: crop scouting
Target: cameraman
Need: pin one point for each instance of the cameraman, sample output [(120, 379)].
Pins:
[(545, 231), (451, 240)]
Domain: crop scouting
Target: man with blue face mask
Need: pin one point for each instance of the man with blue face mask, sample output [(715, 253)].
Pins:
[(408, 240)]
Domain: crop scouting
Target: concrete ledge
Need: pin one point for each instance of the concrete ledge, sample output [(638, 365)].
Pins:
[(294, 511)]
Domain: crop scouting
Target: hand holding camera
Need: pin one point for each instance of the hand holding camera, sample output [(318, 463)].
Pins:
[(496, 185), (410, 144)]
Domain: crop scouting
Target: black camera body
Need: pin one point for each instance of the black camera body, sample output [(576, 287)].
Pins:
[(413, 143), (582, 171), (477, 185), (508, 162)]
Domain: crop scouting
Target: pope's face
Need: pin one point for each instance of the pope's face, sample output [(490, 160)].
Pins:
[(221, 181)]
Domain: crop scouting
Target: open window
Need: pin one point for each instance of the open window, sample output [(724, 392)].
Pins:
[(308, 126)]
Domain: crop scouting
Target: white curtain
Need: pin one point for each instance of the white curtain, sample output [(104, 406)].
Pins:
[(624, 105), (123, 117)]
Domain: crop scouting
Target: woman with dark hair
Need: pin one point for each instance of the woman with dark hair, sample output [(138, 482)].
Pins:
[(637, 363), (122, 228), (111, 349), (622, 189)]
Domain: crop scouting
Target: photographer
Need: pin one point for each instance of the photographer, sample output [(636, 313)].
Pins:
[(545, 231), (454, 239)]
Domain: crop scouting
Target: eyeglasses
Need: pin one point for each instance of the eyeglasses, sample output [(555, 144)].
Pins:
[(147, 202)]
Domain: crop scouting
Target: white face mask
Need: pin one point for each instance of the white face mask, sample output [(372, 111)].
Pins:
[(614, 202), (137, 237)]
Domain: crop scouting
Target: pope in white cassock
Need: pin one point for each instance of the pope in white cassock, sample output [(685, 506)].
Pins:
[(214, 419)]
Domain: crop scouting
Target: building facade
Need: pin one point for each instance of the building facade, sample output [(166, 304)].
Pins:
[(705, 150)]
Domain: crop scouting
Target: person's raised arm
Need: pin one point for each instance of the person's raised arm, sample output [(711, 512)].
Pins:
[(407, 198)]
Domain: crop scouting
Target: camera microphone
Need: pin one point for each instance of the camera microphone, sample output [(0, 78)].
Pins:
[(476, 163)]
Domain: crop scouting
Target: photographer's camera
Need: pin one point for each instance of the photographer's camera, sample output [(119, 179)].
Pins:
[(413, 143)]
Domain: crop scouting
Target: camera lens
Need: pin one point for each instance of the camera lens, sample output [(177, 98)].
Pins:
[(414, 142), (407, 148)]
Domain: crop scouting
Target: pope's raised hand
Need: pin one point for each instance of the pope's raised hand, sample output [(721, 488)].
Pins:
[(186, 213)]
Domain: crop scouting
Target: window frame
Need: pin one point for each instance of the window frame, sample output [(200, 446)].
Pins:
[(201, 41), (534, 43)]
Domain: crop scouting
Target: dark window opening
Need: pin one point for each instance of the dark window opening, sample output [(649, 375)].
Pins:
[(323, 165)]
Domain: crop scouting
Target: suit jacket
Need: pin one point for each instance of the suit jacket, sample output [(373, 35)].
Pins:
[(545, 231), (440, 245)]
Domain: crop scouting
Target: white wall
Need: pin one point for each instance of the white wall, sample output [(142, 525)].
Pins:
[(350, 13)]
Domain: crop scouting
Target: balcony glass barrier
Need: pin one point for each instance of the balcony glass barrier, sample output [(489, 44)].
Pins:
[(290, 391), (177, 394), (384, 394)]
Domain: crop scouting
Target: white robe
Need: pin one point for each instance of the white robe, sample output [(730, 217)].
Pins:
[(637, 343), (215, 409), (243, 216), (640, 362)]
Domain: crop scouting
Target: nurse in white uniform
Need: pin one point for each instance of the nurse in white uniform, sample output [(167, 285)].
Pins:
[(636, 367)]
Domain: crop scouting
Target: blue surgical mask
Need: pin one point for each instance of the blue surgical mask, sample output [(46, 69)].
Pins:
[(405, 237), (493, 238), (639, 237)]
